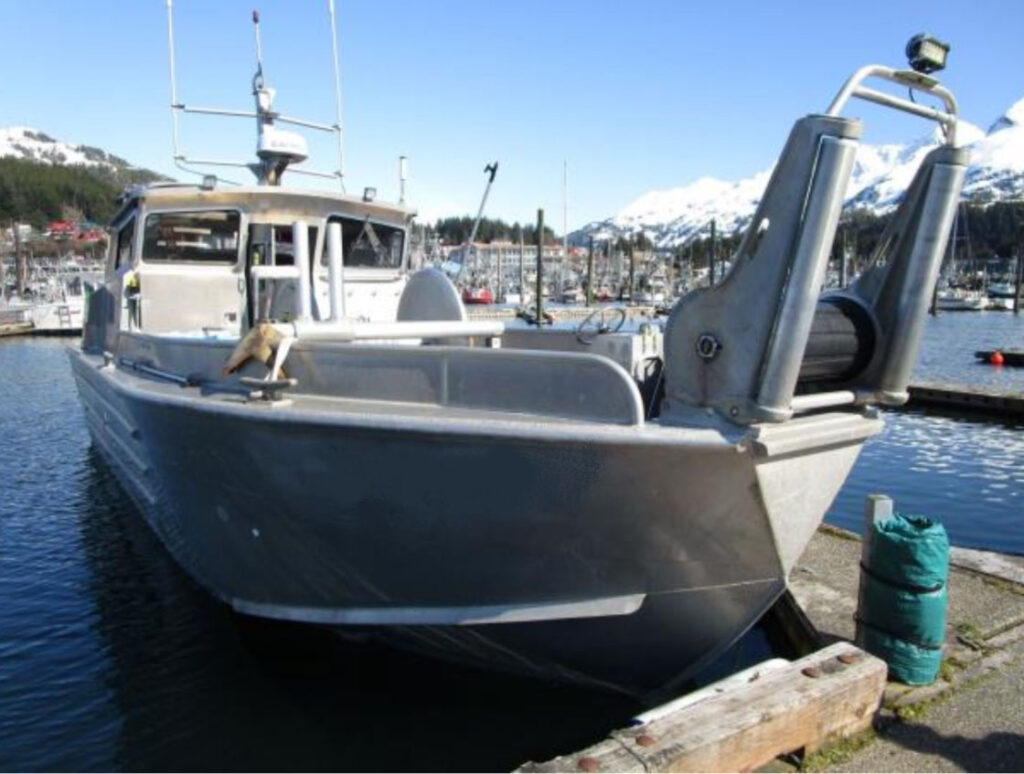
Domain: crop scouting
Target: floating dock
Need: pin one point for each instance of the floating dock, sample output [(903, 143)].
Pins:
[(1010, 357), (15, 329), (975, 399), (14, 322), (833, 708)]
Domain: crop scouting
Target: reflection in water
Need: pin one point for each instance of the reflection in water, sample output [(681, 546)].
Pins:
[(198, 687), (55, 710)]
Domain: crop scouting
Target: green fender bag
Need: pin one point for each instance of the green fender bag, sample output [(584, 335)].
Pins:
[(902, 611)]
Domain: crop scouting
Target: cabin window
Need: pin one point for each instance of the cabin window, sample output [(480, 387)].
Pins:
[(275, 245), (125, 237), (191, 237), (368, 244)]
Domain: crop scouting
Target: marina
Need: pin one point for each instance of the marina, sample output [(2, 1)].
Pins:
[(294, 480), (50, 301)]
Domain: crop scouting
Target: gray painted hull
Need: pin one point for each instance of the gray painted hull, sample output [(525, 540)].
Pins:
[(616, 558)]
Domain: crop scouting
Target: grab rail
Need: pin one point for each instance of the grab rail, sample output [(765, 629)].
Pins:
[(908, 78), (802, 403)]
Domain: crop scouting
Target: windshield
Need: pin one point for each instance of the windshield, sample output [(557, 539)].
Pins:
[(191, 237), (367, 244)]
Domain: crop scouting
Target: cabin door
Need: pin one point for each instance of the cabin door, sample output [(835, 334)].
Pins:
[(190, 276)]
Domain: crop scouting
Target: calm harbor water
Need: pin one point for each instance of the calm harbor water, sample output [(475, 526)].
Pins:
[(111, 659), (967, 472)]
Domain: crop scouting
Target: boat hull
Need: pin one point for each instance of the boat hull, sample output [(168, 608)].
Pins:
[(617, 560)]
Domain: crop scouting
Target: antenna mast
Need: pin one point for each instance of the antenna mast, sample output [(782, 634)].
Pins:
[(276, 149), (174, 87), (337, 96), (259, 45)]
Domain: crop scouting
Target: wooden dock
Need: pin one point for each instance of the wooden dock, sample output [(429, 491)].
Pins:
[(803, 705), (974, 399)]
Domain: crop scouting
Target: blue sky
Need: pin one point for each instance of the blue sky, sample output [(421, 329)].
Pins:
[(633, 95)]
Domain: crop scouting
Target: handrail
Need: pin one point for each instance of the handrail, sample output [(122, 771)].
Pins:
[(261, 271), (908, 78), (801, 403), (350, 330)]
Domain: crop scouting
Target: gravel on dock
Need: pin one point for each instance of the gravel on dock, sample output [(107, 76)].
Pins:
[(979, 728)]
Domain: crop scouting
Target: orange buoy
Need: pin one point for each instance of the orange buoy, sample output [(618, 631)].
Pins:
[(996, 358)]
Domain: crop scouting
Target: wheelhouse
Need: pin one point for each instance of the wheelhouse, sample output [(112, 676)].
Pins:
[(184, 258)]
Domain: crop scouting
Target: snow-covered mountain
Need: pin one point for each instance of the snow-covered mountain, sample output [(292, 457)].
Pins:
[(880, 175), (23, 142)]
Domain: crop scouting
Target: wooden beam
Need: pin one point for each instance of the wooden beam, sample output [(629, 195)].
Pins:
[(813, 702)]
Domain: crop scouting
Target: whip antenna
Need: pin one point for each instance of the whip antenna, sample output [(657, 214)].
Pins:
[(259, 47), (174, 85), (337, 96)]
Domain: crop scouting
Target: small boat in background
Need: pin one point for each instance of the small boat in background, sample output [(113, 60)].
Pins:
[(56, 302), (1000, 295), (477, 294), (961, 300)]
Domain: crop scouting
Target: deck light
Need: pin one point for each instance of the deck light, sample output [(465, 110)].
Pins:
[(209, 182), (927, 54), (369, 194)]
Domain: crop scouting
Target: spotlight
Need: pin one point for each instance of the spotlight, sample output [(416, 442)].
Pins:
[(927, 54)]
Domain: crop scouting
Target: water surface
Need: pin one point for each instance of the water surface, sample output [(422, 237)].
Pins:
[(110, 658)]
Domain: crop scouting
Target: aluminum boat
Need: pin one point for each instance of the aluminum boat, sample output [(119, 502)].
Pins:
[(317, 434)]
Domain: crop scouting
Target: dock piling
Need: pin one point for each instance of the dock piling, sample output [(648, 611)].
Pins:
[(632, 273), (540, 268), (499, 295), (711, 255), (877, 508), (522, 270), (1017, 284), (590, 272)]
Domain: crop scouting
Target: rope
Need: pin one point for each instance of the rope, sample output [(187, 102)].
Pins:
[(901, 586), (896, 635)]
